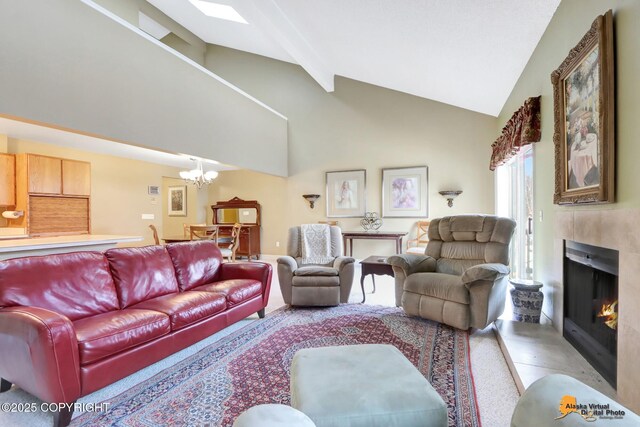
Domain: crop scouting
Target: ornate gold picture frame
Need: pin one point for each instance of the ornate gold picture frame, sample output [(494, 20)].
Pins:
[(584, 107)]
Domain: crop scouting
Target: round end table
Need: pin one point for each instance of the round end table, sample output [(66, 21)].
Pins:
[(527, 300)]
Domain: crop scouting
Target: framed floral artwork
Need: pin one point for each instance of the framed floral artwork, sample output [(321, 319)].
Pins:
[(177, 199), (583, 92), (404, 192), (346, 193)]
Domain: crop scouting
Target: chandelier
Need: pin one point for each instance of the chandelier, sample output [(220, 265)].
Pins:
[(198, 176)]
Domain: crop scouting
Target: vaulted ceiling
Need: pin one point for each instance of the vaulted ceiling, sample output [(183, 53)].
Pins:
[(460, 52)]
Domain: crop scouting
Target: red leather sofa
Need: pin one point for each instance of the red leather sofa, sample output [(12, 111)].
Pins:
[(73, 323)]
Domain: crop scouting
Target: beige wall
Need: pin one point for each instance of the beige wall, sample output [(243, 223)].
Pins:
[(359, 126), (4, 142), (119, 192), (196, 207)]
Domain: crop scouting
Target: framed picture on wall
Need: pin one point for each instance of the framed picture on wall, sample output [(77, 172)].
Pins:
[(346, 193), (583, 104), (404, 192), (177, 199)]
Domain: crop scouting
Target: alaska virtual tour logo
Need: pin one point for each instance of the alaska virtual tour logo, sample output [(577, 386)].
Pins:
[(588, 411)]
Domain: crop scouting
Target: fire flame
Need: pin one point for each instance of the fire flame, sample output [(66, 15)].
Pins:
[(608, 311)]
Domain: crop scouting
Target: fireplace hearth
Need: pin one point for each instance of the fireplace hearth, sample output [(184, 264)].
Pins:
[(591, 305)]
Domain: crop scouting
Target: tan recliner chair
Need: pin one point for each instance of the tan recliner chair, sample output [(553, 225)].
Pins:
[(315, 285), (462, 278)]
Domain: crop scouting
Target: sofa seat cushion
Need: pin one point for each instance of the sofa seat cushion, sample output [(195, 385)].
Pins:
[(109, 333), (234, 290), (438, 285), (186, 308), (316, 270), (315, 281)]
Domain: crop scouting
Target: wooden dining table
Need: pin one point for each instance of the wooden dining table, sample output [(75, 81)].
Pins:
[(174, 239)]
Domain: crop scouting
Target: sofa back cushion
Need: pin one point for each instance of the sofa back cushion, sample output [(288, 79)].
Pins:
[(294, 242), (196, 263), (76, 284), (141, 273), (459, 242)]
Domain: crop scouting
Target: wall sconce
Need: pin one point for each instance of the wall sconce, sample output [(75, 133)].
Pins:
[(311, 198), (450, 195), (12, 214)]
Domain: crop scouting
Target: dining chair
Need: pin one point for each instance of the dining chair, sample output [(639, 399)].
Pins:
[(419, 244), (156, 239), (229, 251), (186, 228), (203, 232)]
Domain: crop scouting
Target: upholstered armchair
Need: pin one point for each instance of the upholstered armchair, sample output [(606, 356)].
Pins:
[(462, 278), (324, 284)]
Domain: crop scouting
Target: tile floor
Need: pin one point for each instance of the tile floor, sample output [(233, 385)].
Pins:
[(535, 350)]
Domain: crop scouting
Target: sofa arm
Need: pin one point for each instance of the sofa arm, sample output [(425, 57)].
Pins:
[(489, 271), (404, 265), (341, 262), (288, 262), (286, 266), (487, 285), (256, 270), (411, 264), (345, 266), (39, 353)]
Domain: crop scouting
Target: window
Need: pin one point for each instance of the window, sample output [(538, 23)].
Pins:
[(514, 199)]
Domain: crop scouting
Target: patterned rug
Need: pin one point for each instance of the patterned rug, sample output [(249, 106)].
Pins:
[(251, 366)]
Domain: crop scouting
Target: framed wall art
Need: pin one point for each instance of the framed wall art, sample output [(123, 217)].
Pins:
[(177, 199), (404, 192), (583, 92), (346, 193)]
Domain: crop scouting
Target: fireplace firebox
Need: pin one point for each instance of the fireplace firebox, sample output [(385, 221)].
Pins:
[(591, 305)]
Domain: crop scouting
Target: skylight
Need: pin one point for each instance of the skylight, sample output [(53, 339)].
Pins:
[(216, 10)]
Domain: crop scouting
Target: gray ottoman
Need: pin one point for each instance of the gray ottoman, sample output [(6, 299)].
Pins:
[(539, 405), (272, 415), (363, 385)]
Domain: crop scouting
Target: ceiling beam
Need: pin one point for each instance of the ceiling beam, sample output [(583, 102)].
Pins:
[(267, 16)]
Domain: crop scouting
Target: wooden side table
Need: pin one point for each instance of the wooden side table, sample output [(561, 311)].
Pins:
[(375, 264), (349, 236)]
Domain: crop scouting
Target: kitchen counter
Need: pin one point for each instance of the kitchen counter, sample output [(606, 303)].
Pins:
[(60, 244)]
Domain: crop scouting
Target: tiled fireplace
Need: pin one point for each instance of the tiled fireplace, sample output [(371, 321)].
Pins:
[(617, 229)]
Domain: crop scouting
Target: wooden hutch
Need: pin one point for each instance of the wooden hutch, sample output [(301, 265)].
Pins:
[(246, 212)]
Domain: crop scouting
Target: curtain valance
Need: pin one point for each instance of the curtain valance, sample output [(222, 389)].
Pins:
[(523, 128)]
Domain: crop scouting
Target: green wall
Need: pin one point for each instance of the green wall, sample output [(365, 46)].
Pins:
[(571, 21), (359, 126)]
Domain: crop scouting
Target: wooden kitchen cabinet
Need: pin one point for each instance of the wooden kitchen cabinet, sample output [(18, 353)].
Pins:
[(52, 175), (44, 174), (76, 178), (54, 194), (7, 180)]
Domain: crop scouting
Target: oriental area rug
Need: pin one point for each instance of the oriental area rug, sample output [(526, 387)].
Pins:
[(251, 367)]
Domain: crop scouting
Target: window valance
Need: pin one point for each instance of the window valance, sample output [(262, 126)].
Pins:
[(523, 128)]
